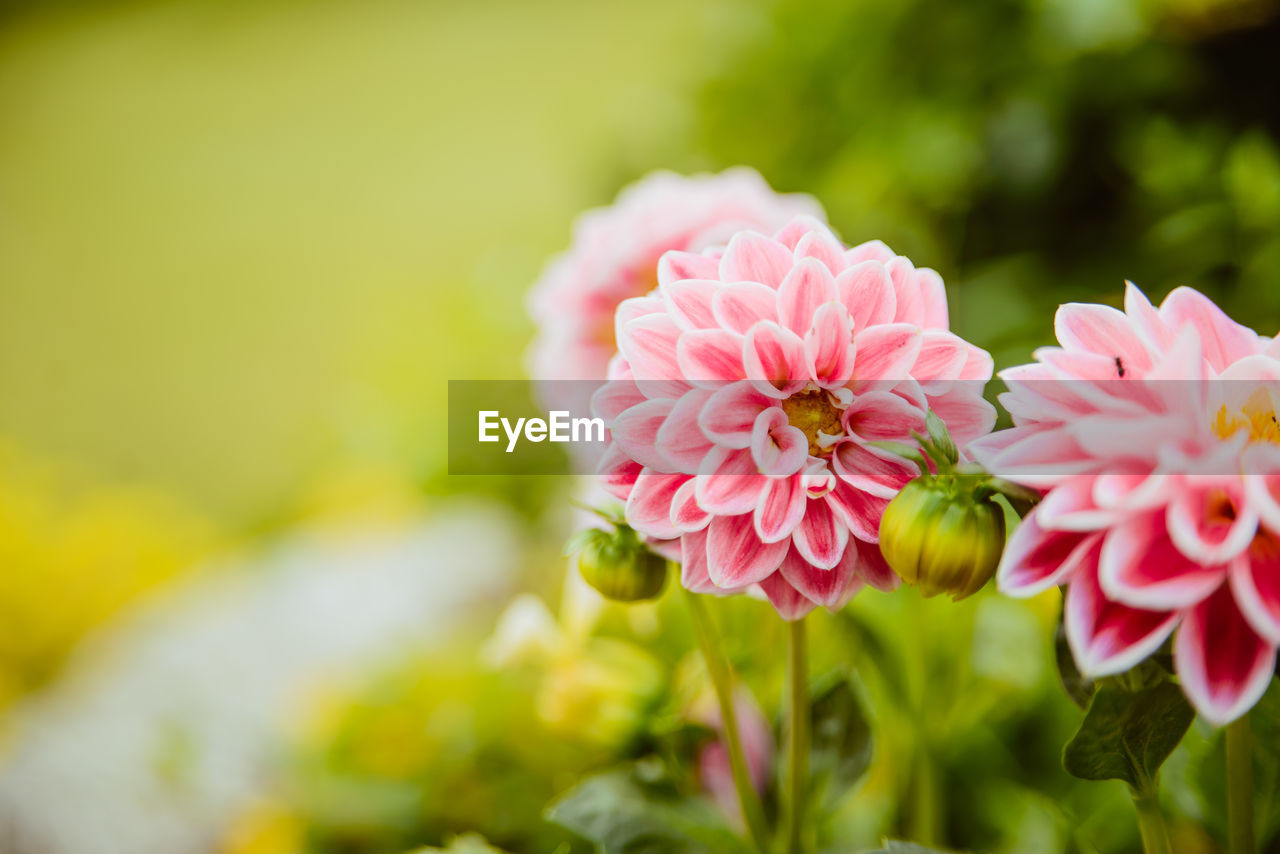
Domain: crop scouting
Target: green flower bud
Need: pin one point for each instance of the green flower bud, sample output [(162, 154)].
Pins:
[(619, 565), (943, 535)]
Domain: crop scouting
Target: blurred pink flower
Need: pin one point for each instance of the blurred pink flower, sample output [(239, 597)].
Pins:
[(714, 770), (745, 396), (615, 254), (1154, 434)]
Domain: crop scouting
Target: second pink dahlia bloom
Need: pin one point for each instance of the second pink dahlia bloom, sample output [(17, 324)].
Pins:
[(615, 255), (744, 398), (1154, 434)]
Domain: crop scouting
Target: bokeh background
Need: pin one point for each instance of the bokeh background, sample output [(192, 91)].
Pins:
[(244, 245)]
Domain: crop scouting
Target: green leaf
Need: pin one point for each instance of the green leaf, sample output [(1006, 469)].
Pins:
[(623, 815), (1078, 686), (841, 740), (940, 438), (1127, 735)]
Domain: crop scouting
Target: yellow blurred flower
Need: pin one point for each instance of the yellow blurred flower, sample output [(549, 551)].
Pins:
[(72, 555), (267, 827)]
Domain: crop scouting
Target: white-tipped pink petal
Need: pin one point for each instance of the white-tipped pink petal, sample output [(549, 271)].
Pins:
[(830, 588), (820, 538), (689, 303), (1037, 558), (735, 555), (1255, 583), (1224, 340), (871, 470), (680, 441), (866, 291), (687, 515), (1141, 567), (1223, 664), (676, 266), (636, 432), (731, 483), (1210, 526), (729, 415), (649, 506), (752, 257), (648, 344), (934, 295), (808, 285), (780, 509), (1106, 637), (1103, 330), (709, 358), (789, 602), (885, 353), (859, 510), (774, 359), (738, 306), (881, 415), (828, 346), (822, 245), (911, 306), (693, 565), (777, 447)]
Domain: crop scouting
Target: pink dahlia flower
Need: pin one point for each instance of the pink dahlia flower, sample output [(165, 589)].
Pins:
[(746, 395), (615, 255), (1153, 433)]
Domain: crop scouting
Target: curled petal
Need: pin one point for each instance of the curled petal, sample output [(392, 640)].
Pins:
[(1141, 567), (775, 360), (828, 346), (777, 447), (729, 415), (1106, 637), (1223, 664), (1209, 526)]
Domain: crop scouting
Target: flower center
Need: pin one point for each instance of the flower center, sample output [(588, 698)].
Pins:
[(1257, 416), (814, 412)]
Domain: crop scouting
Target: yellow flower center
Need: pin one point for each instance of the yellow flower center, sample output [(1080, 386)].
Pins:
[(1257, 416), (813, 412)]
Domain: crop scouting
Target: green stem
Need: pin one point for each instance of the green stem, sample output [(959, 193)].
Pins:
[(1155, 836), (722, 682), (926, 818), (797, 736), (1240, 787)]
